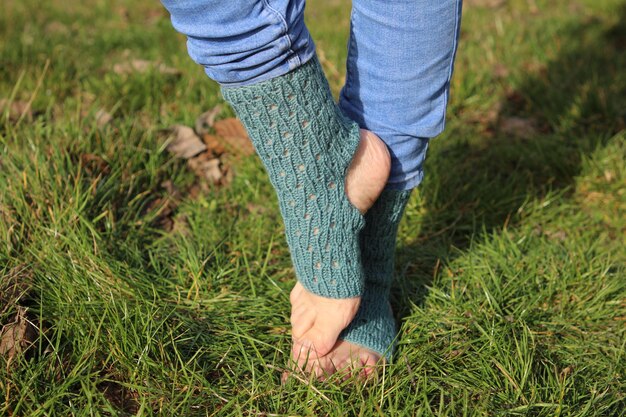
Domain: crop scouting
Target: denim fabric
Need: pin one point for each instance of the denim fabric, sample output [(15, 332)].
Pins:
[(400, 59), (243, 42)]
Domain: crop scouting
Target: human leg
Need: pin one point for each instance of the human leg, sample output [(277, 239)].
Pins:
[(400, 60), (371, 334), (399, 66), (306, 144), (243, 42)]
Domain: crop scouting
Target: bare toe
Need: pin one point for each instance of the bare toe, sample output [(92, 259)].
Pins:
[(316, 322), (346, 359)]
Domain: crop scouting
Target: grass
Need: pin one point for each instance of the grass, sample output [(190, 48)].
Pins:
[(511, 263)]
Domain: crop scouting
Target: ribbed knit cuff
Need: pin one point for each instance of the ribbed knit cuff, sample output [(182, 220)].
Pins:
[(374, 326)]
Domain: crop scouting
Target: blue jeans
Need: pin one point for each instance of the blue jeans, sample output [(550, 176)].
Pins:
[(400, 59)]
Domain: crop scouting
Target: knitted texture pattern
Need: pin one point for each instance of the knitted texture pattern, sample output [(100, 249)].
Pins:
[(374, 326), (306, 145)]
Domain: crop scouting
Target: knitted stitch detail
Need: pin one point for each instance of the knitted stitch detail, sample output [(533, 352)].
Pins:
[(306, 145), (374, 326)]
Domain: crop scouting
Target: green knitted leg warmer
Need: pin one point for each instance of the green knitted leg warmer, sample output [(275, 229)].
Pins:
[(374, 326), (307, 145)]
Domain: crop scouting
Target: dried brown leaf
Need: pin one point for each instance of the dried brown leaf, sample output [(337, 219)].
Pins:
[(230, 127), (214, 144), (184, 142), (17, 336), (207, 168), (234, 135), (205, 121), (239, 145)]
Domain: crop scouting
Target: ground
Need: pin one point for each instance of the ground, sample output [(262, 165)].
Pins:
[(131, 286)]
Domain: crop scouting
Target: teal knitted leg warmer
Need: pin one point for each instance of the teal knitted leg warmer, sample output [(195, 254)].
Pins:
[(374, 326), (307, 145)]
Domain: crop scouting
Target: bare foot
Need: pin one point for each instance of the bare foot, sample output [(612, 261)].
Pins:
[(346, 359), (317, 321)]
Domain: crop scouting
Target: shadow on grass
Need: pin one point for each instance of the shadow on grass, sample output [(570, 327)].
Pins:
[(577, 102)]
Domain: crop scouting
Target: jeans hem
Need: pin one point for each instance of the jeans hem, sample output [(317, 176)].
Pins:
[(291, 64), (405, 184)]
